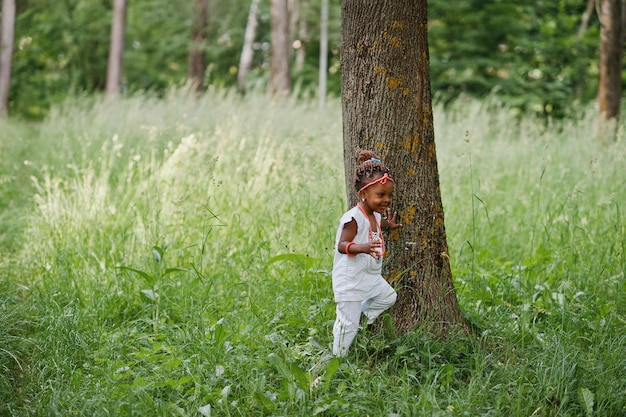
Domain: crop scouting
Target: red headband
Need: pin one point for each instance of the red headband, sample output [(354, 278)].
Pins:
[(382, 180)]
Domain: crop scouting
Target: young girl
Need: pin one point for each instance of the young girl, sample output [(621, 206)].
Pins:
[(357, 281)]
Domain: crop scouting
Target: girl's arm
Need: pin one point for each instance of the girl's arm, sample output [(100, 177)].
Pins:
[(347, 234), (347, 246)]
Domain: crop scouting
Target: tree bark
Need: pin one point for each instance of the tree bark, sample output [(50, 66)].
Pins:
[(280, 82), (197, 54), (611, 54), (303, 36), (247, 52), (584, 21), (323, 70), (293, 10), (116, 50), (7, 33), (387, 108)]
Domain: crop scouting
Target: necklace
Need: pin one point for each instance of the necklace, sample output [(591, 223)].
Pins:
[(379, 232)]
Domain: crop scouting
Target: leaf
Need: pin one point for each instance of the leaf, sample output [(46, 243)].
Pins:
[(157, 256), (200, 276), (219, 332), (205, 410), (265, 402), (446, 373), (303, 261), (279, 365), (158, 253), (303, 379), (329, 372), (182, 381), (315, 343), (150, 294), (176, 269), (586, 399), (149, 278), (139, 383)]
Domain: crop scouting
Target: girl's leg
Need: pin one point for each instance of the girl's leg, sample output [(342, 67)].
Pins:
[(375, 306), (346, 326)]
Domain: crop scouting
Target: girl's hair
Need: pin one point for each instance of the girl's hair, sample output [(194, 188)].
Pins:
[(369, 168)]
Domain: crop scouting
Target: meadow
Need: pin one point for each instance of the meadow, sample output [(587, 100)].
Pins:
[(171, 257)]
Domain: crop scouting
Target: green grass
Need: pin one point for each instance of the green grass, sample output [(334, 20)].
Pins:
[(171, 257)]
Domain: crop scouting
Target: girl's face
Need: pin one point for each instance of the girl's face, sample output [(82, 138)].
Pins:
[(378, 196)]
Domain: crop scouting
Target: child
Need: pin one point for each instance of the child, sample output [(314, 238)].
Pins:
[(357, 281)]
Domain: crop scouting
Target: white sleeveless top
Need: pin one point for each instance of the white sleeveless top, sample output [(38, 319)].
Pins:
[(356, 278)]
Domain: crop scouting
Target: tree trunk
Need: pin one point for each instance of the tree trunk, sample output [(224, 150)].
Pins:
[(387, 108), (611, 53), (247, 52), (584, 22), (303, 36), (323, 70), (7, 33), (197, 54), (116, 50), (293, 10), (279, 82)]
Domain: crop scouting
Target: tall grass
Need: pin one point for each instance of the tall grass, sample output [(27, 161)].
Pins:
[(172, 258)]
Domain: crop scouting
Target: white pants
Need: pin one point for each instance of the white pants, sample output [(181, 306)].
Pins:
[(349, 316)]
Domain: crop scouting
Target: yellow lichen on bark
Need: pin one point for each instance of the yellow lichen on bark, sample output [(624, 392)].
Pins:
[(438, 221), (393, 82), (395, 41), (394, 276), (408, 215), (375, 47), (407, 143), (427, 117), (431, 150), (424, 242), (415, 144)]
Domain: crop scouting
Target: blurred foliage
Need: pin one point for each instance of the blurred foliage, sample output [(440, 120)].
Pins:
[(526, 54)]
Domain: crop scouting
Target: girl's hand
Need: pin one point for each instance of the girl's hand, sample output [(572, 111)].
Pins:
[(374, 248), (390, 220)]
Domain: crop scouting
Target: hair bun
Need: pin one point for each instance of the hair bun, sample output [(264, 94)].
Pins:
[(365, 156)]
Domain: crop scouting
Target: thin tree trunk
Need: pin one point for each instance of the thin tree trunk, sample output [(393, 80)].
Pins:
[(302, 37), (7, 33), (611, 54), (293, 8), (323, 70), (247, 53), (387, 107), (279, 81), (197, 54), (584, 22), (116, 50), (623, 9)]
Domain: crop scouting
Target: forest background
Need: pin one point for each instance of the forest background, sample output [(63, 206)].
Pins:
[(154, 259), (540, 55)]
